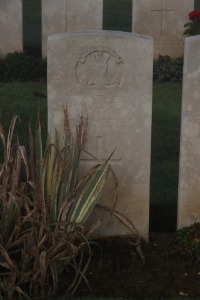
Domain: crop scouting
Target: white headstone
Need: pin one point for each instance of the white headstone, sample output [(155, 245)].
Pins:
[(189, 174), (68, 16), (11, 26), (54, 20), (108, 77), (84, 15), (163, 20)]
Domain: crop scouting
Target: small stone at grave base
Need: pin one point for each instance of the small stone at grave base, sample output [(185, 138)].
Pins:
[(183, 294)]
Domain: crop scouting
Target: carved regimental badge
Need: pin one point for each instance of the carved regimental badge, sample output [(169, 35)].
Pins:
[(101, 70)]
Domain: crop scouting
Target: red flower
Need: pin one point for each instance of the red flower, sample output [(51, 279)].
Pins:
[(195, 14)]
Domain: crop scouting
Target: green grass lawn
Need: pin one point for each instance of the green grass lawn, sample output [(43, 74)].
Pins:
[(165, 155), (24, 99)]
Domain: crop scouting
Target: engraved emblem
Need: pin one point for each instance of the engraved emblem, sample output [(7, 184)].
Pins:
[(101, 70)]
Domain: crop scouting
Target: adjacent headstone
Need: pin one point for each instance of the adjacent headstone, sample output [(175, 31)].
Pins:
[(69, 15), (163, 20), (84, 15), (189, 174), (108, 77), (10, 26), (54, 20)]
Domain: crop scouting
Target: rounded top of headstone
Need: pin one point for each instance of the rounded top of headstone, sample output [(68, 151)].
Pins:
[(100, 33)]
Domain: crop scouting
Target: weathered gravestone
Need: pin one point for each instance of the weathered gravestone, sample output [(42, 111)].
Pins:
[(10, 26), (69, 15), (108, 77), (189, 174), (163, 20)]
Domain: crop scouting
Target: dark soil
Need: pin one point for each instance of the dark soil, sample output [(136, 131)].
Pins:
[(119, 272)]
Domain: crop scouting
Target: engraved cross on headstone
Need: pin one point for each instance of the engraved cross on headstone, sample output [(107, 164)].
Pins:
[(162, 11), (99, 152)]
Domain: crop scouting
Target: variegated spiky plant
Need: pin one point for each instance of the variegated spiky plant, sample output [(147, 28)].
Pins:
[(43, 207)]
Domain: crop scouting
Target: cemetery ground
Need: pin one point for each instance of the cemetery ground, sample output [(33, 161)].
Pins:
[(117, 271)]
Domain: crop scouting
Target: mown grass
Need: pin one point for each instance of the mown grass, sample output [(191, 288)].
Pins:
[(24, 99), (165, 156)]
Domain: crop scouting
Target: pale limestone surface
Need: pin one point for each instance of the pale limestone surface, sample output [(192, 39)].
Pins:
[(108, 76), (54, 20), (10, 26), (68, 16), (189, 169), (163, 20), (84, 15)]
